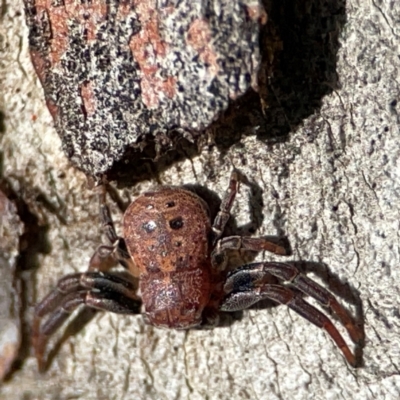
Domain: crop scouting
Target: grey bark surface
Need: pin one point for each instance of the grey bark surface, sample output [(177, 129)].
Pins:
[(336, 197)]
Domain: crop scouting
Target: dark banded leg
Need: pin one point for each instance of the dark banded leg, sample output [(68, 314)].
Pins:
[(226, 205), (95, 290), (108, 255), (249, 284), (243, 243)]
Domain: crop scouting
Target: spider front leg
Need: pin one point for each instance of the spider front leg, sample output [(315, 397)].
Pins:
[(235, 242), (226, 205), (108, 255), (97, 290), (249, 284)]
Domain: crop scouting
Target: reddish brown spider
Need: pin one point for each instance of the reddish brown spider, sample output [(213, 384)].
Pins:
[(180, 258)]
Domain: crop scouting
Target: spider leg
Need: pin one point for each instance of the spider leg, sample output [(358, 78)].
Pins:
[(219, 258), (249, 284), (97, 290), (108, 255), (226, 205), (248, 243)]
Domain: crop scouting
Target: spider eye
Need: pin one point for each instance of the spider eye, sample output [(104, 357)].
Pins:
[(176, 223), (149, 226)]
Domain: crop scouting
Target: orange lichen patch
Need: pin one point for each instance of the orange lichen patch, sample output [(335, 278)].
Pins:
[(257, 13), (148, 44), (147, 47), (58, 27), (88, 98), (199, 37), (124, 8), (52, 108), (152, 86), (39, 64), (88, 15), (96, 13)]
